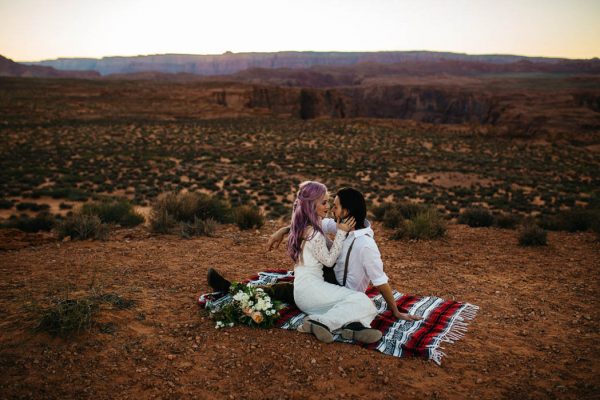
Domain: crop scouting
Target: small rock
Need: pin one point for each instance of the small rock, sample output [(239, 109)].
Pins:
[(479, 380), (171, 357)]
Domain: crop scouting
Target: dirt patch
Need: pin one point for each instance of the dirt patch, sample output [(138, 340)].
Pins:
[(450, 179), (535, 336)]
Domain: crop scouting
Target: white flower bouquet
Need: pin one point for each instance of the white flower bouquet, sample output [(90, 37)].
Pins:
[(249, 306)]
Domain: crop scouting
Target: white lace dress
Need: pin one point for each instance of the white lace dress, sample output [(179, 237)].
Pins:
[(332, 305)]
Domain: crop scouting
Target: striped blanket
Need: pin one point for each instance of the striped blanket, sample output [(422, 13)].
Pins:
[(443, 320)]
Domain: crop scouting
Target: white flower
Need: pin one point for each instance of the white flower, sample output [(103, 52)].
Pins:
[(238, 296), (250, 303), (230, 324)]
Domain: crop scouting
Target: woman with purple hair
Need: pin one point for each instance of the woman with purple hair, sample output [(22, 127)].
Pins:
[(330, 308)]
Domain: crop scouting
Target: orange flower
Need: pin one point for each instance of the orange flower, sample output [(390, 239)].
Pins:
[(257, 317)]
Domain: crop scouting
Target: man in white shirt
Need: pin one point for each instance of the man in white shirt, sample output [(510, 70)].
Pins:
[(359, 262)]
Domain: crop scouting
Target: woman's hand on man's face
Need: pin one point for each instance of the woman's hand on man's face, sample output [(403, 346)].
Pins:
[(347, 225)]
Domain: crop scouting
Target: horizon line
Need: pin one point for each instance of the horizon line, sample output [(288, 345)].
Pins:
[(305, 51)]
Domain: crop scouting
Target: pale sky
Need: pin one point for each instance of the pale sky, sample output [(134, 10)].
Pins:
[(33, 30)]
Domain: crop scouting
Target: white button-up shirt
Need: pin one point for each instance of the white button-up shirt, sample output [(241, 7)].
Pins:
[(365, 263)]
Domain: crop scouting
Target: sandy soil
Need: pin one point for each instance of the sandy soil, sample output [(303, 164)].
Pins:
[(536, 335)]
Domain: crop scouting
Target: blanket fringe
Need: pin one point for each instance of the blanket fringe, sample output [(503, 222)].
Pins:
[(456, 331)]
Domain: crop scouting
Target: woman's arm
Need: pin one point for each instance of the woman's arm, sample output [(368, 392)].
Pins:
[(326, 256)]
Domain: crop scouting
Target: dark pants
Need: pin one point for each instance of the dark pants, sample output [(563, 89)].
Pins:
[(284, 291)]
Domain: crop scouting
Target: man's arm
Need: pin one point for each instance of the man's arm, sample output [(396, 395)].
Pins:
[(276, 238), (328, 225), (386, 292), (371, 259)]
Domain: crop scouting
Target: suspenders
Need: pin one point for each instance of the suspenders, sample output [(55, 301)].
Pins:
[(348, 259)]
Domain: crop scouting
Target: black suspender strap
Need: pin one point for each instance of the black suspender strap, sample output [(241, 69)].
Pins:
[(348, 259), (346, 264)]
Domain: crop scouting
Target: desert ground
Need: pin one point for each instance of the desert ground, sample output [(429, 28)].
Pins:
[(65, 142), (535, 336)]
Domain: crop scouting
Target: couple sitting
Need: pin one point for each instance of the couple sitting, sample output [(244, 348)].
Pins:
[(330, 278)]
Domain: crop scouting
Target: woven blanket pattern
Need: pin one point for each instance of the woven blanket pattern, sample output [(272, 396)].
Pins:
[(444, 321)]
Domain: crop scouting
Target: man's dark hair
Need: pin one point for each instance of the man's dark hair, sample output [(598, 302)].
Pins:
[(354, 201)]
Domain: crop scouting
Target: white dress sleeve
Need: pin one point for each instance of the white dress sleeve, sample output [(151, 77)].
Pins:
[(328, 225), (318, 247)]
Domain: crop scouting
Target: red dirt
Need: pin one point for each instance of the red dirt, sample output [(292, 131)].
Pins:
[(536, 335)]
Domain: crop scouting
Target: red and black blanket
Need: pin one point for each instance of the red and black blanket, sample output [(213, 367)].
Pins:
[(443, 320)]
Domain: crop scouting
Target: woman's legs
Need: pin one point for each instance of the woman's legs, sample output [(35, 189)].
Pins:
[(351, 306)]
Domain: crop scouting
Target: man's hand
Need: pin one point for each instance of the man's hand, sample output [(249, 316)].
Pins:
[(406, 316), (276, 238)]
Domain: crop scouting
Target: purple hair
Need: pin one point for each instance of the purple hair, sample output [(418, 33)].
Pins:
[(304, 214)]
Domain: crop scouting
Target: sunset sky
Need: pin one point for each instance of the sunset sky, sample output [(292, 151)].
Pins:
[(32, 30)]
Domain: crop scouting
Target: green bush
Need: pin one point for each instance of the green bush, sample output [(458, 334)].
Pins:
[(551, 222), (161, 221), (578, 219), (68, 317), (428, 224), (117, 211), (186, 207), (392, 218), (393, 214), (532, 235), (6, 204), (596, 228), (506, 221), (200, 227), (82, 226), (65, 206), (32, 206), (41, 222), (247, 217), (476, 217), (380, 210)]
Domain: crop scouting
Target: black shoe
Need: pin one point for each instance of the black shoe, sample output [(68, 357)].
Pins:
[(356, 331), (318, 329), (216, 281)]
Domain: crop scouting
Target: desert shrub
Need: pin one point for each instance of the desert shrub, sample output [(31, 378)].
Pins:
[(6, 204), (41, 222), (476, 217), (392, 214), (532, 235), (596, 228), (392, 218), (161, 221), (68, 317), (186, 207), (114, 300), (32, 206), (410, 210), (428, 224), (579, 219), (82, 226), (379, 211), (247, 217), (506, 221), (118, 211), (200, 227), (551, 222)]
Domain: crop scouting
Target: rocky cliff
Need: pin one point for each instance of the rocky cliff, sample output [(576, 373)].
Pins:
[(10, 68), (230, 63)]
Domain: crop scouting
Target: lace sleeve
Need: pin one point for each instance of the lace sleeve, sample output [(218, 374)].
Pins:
[(325, 256)]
